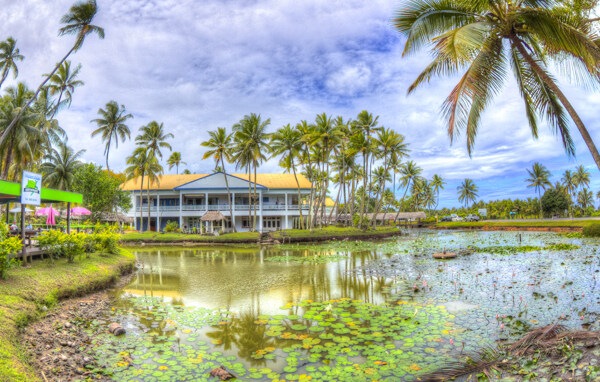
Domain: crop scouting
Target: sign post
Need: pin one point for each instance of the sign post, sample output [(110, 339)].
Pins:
[(31, 193)]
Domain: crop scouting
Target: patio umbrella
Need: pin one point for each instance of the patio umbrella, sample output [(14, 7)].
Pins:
[(46, 211), (51, 214), (17, 210), (80, 211)]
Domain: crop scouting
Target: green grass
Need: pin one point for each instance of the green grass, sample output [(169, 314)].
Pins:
[(334, 232), (26, 290), (241, 237), (558, 223)]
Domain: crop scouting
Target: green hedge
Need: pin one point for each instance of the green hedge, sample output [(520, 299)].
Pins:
[(592, 230)]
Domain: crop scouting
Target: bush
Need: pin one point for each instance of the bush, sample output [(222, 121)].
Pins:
[(172, 226), (593, 230), (51, 242), (8, 246)]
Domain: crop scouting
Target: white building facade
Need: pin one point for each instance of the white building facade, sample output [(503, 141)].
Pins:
[(184, 199)]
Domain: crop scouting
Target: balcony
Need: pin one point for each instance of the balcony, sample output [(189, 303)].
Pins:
[(222, 207)]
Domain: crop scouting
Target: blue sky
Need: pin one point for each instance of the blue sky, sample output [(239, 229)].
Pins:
[(198, 65)]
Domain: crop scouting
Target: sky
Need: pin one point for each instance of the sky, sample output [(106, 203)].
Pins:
[(198, 65)]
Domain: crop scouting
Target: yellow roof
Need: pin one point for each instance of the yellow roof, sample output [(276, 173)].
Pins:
[(169, 182), (329, 202)]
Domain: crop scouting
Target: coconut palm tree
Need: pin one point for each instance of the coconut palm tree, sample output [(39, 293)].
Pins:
[(250, 145), (437, 183), (467, 192), (137, 169), (287, 143), (175, 160), (153, 137), (366, 124), (486, 37), (112, 126), (153, 172), (582, 177), (63, 83), (60, 165), (569, 182), (585, 198), (539, 179), (9, 55), (409, 172), (219, 145), (78, 21)]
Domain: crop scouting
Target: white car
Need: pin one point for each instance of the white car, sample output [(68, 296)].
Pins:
[(456, 218)]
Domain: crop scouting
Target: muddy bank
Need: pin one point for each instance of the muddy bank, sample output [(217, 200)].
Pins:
[(514, 228), (59, 346)]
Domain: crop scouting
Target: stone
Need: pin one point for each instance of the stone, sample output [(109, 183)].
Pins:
[(116, 329), (39, 331)]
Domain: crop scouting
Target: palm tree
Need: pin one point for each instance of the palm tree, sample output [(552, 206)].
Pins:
[(175, 160), (112, 126), (467, 192), (538, 178), (366, 124), (220, 150), (409, 172), (186, 172), (137, 169), (585, 198), (64, 82), (437, 182), (9, 55), (60, 165), (153, 170), (78, 21), (287, 142), (250, 146), (569, 182), (153, 137), (488, 36), (582, 177)]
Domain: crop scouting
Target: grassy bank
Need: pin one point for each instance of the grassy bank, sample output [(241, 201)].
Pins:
[(517, 223), (333, 232), (27, 290), (153, 237)]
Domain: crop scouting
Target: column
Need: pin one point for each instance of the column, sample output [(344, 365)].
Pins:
[(180, 209), (206, 200), (260, 211), (286, 212), (157, 212), (232, 211), (68, 217), (23, 249), (286, 203)]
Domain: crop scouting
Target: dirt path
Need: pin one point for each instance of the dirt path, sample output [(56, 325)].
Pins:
[(58, 345)]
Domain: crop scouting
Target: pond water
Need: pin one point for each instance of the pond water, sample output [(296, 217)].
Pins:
[(344, 310)]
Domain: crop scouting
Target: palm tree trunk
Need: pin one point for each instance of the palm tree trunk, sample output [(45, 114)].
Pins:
[(563, 99), (57, 105), (299, 196), (148, 196), (141, 211), (8, 157), (364, 193), (259, 199), (4, 75), (250, 197), (228, 197), (403, 196), (12, 124)]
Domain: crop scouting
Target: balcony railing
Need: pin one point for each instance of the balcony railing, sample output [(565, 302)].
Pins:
[(222, 207)]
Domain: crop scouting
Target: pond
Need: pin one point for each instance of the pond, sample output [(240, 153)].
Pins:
[(344, 310)]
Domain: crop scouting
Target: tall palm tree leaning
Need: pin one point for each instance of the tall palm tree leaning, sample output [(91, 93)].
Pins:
[(60, 165), (287, 142), (538, 178), (175, 160), (63, 83), (467, 192), (111, 126), (488, 36), (9, 55), (219, 146), (78, 21)]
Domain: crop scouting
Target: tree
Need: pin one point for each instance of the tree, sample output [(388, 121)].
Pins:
[(467, 192), (219, 146), (78, 21), (409, 173), (437, 182), (137, 164), (554, 202), (538, 178), (112, 126), (64, 82), (569, 182), (153, 137), (287, 142), (487, 36), (9, 55), (582, 177), (366, 124), (175, 160), (60, 166), (585, 199), (100, 189)]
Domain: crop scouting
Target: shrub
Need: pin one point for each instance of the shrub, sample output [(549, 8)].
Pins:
[(593, 230), (52, 242), (8, 246), (172, 226), (74, 245)]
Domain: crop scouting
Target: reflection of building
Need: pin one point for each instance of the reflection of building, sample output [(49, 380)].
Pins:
[(186, 198)]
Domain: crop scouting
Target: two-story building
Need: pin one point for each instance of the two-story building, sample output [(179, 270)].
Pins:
[(187, 198)]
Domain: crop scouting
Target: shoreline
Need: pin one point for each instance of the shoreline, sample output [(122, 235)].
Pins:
[(558, 229), (34, 294)]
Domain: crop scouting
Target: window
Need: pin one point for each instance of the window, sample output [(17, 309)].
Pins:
[(265, 199), (245, 222)]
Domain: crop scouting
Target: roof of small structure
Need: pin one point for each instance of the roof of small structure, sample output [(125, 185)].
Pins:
[(169, 182), (212, 216), (399, 216)]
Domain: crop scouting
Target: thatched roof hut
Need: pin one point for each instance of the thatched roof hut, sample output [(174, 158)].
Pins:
[(212, 216)]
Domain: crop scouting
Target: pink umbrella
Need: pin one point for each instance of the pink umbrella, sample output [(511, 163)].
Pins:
[(80, 211), (45, 211), (51, 213)]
